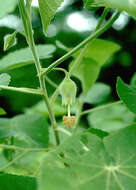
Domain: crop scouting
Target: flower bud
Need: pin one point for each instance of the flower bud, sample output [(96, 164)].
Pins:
[(68, 91)]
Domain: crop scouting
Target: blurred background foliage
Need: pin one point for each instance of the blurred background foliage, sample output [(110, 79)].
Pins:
[(70, 26)]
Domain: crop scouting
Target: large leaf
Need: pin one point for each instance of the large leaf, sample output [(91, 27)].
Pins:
[(10, 182), (87, 164), (32, 128), (111, 119), (77, 169), (24, 56), (127, 94), (123, 5), (47, 11), (7, 7), (88, 66)]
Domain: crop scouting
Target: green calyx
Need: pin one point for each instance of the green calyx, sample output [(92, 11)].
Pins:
[(68, 91)]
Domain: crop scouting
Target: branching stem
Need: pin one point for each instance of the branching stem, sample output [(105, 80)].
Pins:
[(91, 37)]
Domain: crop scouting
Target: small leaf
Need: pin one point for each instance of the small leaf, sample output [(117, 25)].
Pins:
[(47, 11), (5, 79), (86, 67), (127, 93), (9, 41), (125, 5), (24, 57), (2, 111), (10, 182)]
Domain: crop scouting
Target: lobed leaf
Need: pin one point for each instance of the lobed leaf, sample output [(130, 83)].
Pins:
[(89, 162)]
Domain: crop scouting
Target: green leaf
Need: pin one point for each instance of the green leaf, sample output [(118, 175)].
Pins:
[(7, 7), (2, 111), (10, 182), (123, 5), (47, 11), (111, 119), (32, 128), (5, 128), (5, 79), (9, 41), (98, 94), (87, 66), (90, 163), (133, 81), (24, 57), (127, 94), (121, 147), (77, 168)]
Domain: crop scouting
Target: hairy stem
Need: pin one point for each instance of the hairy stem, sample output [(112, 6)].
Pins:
[(26, 18)]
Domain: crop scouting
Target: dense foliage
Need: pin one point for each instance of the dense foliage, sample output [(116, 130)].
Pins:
[(61, 125)]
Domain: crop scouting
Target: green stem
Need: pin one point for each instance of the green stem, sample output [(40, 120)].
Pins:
[(30, 40), (51, 114), (12, 147), (113, 18), (61, 69), (23, 90), (101, 107), (93, 36), (104, 14)]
